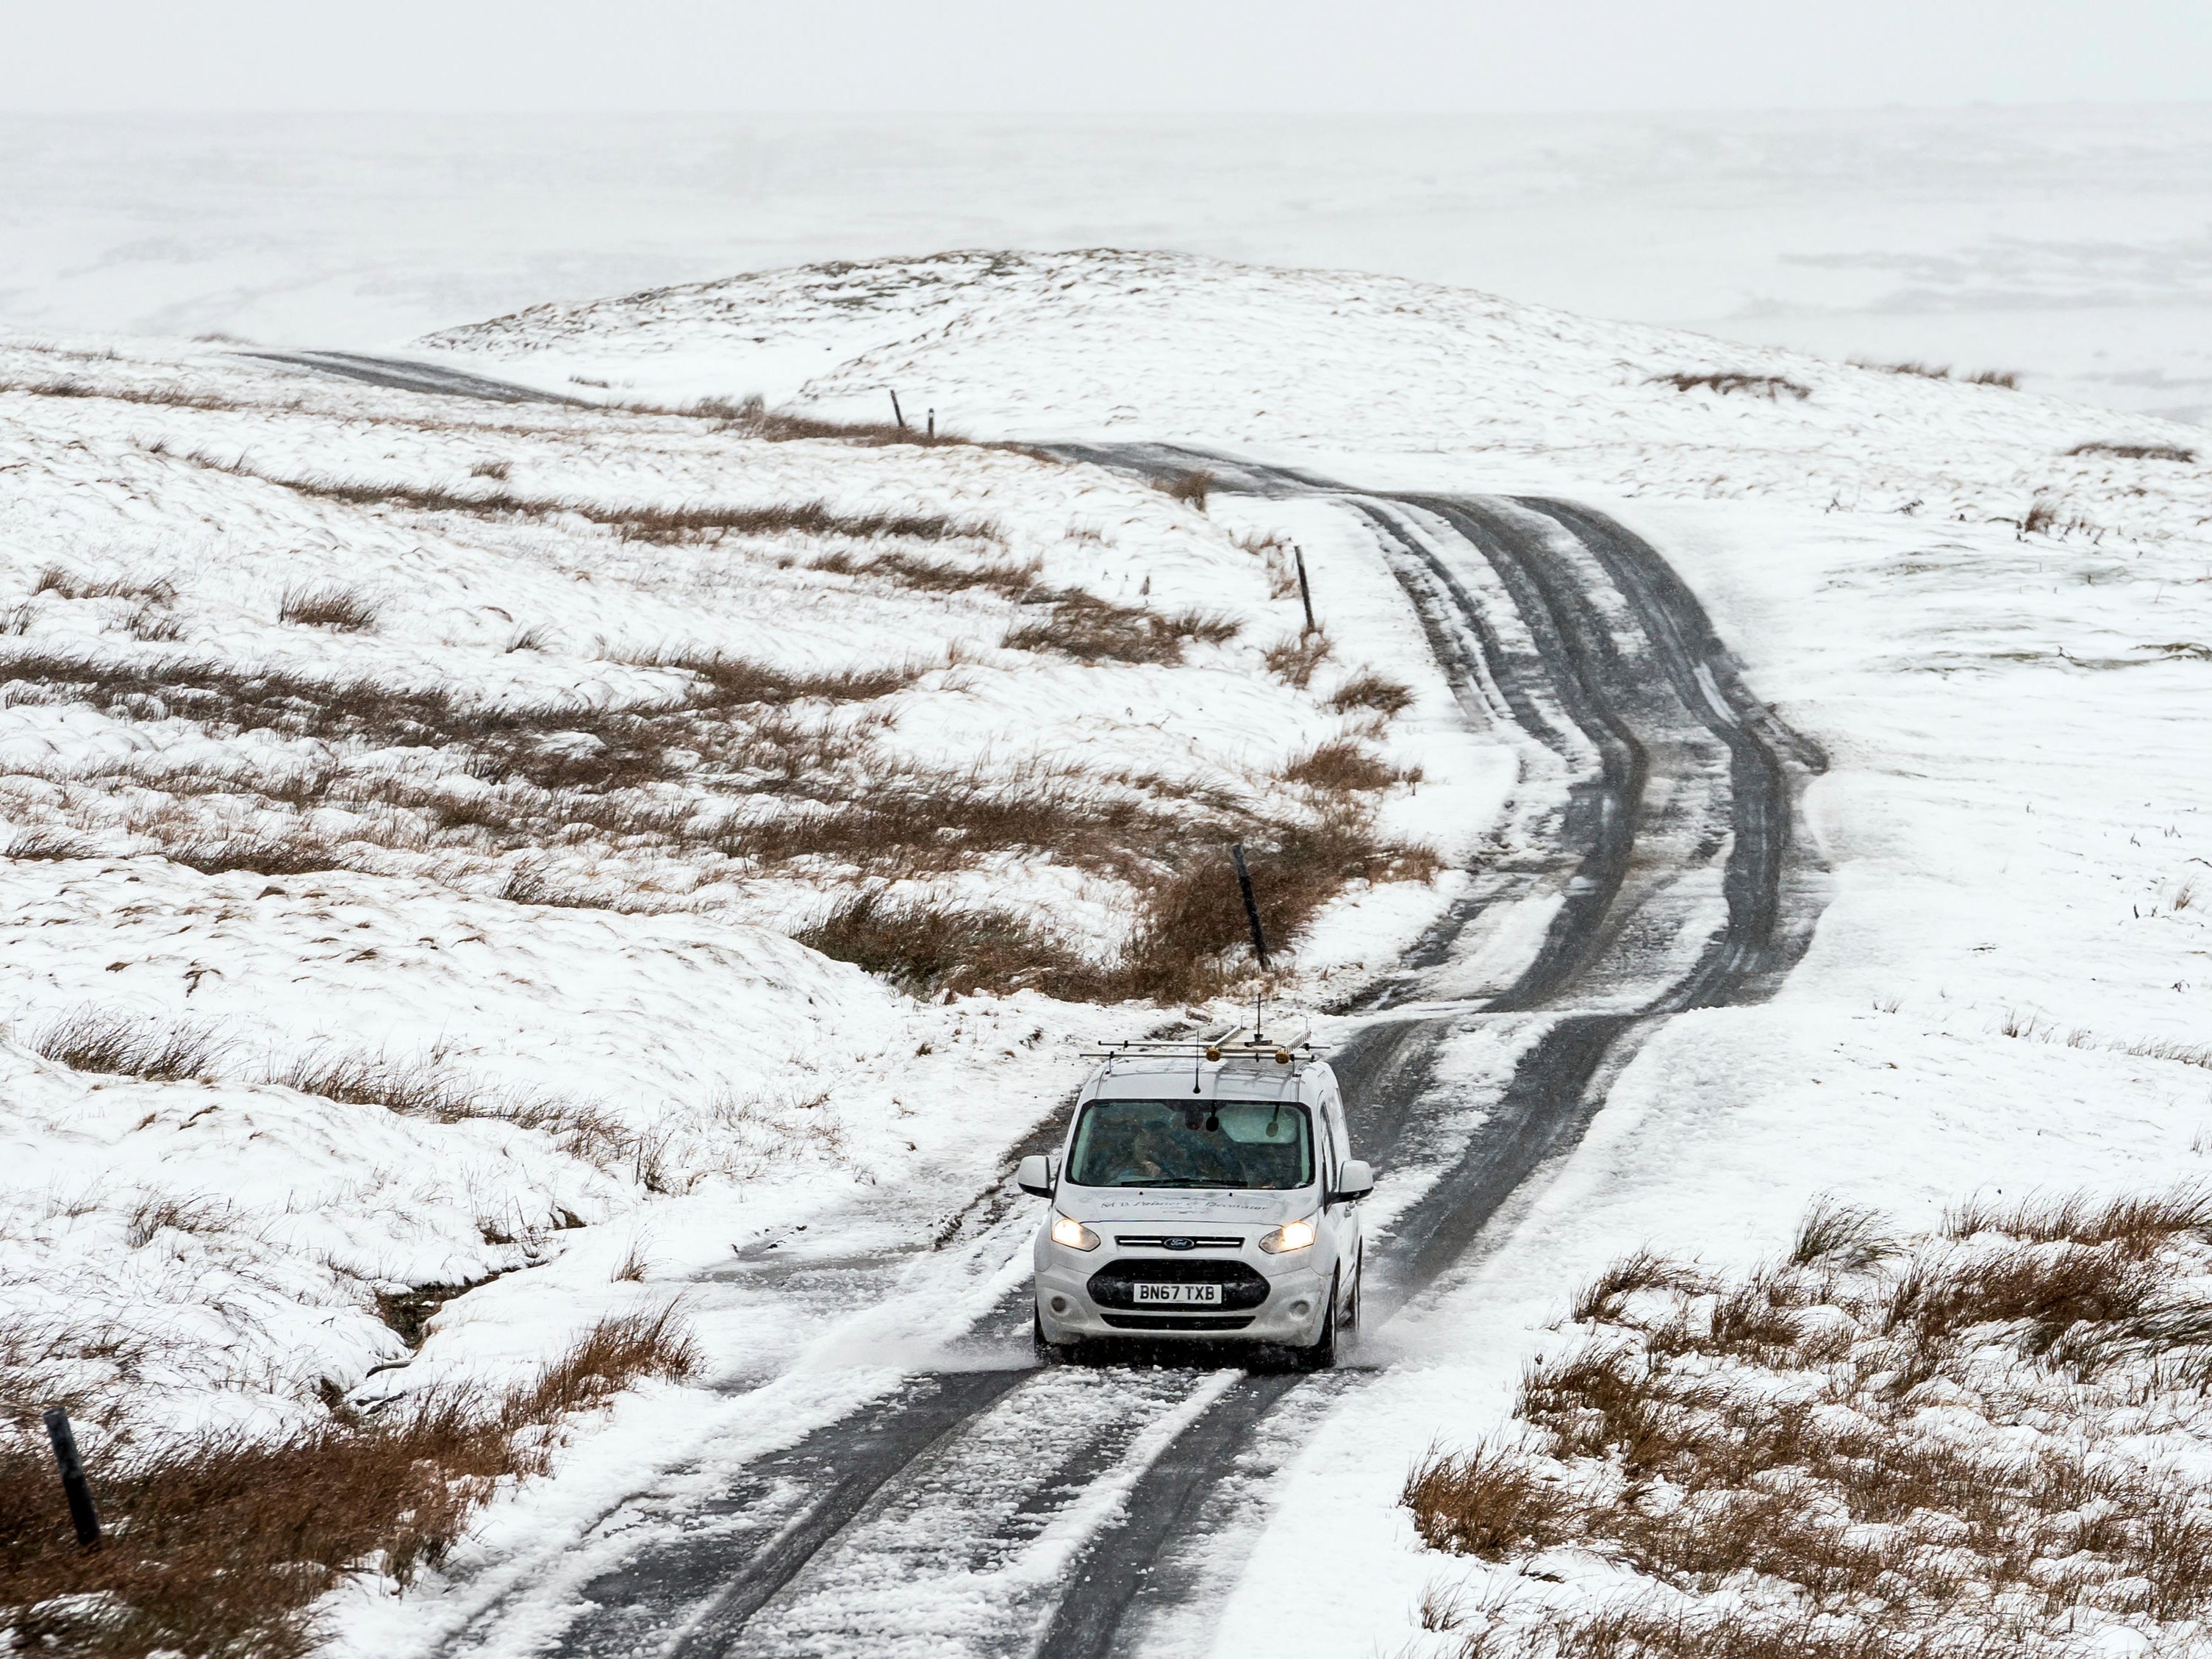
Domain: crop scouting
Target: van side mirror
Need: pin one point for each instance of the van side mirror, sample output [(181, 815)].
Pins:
[(1354, 1179), (1035, 1176)]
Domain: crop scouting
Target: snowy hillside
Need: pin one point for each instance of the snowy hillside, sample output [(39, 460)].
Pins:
[(455, 838), (2008, 992), (412, 806), (1329, 365)]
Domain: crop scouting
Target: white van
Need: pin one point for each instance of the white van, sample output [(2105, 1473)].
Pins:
[(1206, 1193)]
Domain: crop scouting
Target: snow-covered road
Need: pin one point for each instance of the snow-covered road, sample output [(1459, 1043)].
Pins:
[(979, 1506)]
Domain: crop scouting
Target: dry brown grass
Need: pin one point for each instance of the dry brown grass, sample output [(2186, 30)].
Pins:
[(1368, 689), (72, 585), (1092, 630), (424, 1089), (1295, 660), (1013, 581), (645, 523), (106, 1040), (1725, 382), (753, 418), (1769, 1438), (2136, 452), (1191, 488), (326, 605), (1340, 766), (218, 1546), (167, 396), (927, 947)]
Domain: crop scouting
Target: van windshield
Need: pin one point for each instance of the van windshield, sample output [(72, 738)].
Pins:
[(1261, 1143)]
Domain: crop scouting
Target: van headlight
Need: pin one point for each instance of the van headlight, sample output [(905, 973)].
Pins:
[(1067, 1230), (1290, 1236)]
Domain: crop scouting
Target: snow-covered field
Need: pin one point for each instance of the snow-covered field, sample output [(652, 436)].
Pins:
[(517, 841), (2007, 992)]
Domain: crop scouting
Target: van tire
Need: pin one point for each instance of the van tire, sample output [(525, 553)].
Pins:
[(1319, 1355), (1047, 1353)]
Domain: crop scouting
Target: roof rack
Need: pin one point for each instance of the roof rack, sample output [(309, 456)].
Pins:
[(1239, 1044)]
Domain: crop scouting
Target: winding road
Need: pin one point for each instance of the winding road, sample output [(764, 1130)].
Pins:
[(1647, 867), (1080, 1513)]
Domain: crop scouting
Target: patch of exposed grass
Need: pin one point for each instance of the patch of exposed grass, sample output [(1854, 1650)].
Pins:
[(1191, 488), (1368, 689), (2136, 452), (327, 605), (1340, 766), (1295, 660), (73, 585), (218, 1546), (1765, 1449), (166, 396), (1092, 630), (926, 947), (645, 523), (753, 417), (1726, 382), (107, 1040)]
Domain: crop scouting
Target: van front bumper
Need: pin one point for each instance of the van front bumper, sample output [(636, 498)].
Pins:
[(1292, 1303)]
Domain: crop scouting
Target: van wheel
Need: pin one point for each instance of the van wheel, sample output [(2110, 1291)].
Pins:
[(1321, 1356), (1047, 1353), (1358, 1304)]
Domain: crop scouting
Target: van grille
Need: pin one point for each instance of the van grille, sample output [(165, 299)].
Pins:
[(1113, 1286), (1178, 1240)]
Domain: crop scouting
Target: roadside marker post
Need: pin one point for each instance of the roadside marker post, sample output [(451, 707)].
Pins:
[(897, 413), (1306, 593), (74, 1486)]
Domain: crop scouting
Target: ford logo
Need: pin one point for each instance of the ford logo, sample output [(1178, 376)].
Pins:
[(1178, 1244)]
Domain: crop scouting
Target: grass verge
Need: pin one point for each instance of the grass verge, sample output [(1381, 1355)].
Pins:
[(1968, 1444), (217, 1546)]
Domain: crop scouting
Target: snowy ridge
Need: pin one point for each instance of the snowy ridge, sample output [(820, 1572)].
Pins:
[(1106, 344)]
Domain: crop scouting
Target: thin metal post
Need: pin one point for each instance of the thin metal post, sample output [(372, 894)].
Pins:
[(1251, 904), (1304, 593), (932, 426), (897, 413), (74, 1485)]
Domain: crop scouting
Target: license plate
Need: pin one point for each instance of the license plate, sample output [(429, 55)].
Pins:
[(1184, 1295)]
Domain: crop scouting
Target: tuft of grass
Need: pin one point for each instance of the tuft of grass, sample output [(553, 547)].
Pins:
[(2136, 452), (1918, 370), (1092, 630), (1294, 659), (154, 590), (1486, 1503), (1340, 766), (220, 1545), (423, 1089), (326, 605), (1368, 689), (1192, 487), (50, 844), (90, 1039), (1844, 1236), (1725, 382), (960, 949), (1639, 1270)]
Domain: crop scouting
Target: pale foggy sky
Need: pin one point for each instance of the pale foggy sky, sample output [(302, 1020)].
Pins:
[(1383, 57)]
